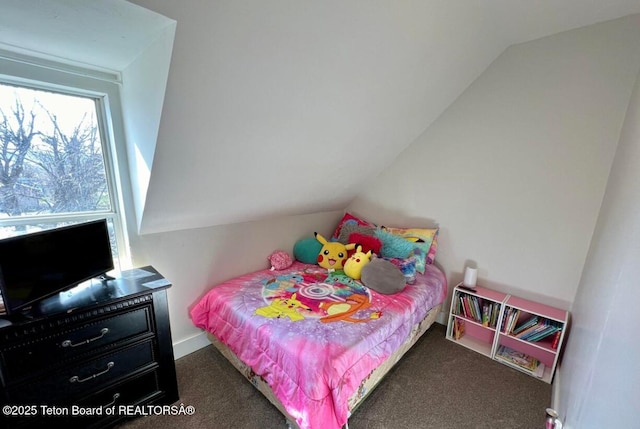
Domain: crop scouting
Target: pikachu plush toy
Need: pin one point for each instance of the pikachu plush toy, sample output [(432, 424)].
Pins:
[(353, 266), (333, 254)]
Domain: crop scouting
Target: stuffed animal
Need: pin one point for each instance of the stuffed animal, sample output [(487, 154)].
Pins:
[(353, 266), (280, 260), (306, 250), (368, 242), (333, 254), (383, 277)]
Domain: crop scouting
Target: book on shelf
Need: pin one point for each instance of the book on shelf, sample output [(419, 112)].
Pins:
[(476, 308), (539, 331), (469, 307), (549, 330), (522, 360), (526, 324), (531, 330), (556, 339), (464, 308), (483, 311), (485, 314), (510, 320), (495, 313), (458, 328)]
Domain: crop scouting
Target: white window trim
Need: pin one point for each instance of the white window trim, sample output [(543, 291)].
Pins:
[(45, 74)]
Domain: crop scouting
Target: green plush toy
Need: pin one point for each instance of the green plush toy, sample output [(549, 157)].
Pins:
[(306, 250)]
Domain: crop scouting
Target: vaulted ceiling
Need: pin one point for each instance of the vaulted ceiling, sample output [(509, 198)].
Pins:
[(289, 107)]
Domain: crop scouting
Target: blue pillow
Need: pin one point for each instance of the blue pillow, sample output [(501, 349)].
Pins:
[(306, 250), (394, 246)]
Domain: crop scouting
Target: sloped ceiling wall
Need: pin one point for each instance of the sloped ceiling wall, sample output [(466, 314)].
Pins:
[(289, 107)]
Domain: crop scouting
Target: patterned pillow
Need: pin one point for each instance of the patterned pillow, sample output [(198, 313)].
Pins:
[(407, 266), (431, 256), (422, 240), (348, 218), (350, 228)]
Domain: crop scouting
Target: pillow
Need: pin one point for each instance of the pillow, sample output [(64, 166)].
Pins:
[(394, 246), (431, 256), (349, 229), (382, 276), (407, 267), (368, 242), (348, 218), (306, 250), (421, 239)]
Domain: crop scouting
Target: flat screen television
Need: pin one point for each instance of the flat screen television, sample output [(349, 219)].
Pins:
[(38, 265)]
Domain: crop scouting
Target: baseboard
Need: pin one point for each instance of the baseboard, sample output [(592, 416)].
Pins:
[(442, 318), (190, 345), (555, 397), (555, 389)]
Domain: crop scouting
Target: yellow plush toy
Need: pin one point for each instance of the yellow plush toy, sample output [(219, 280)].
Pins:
[(333, 254), (353, 266)]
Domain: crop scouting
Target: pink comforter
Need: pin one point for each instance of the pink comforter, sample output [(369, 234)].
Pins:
[(314, 336)]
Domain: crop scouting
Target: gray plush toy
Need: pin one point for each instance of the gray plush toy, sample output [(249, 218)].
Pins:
[(383, 277)]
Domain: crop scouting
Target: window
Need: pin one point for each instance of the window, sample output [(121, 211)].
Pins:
[(57, 154)]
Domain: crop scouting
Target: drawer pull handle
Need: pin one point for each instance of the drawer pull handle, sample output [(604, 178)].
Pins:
[(115, 398), (76, 379), (68, 343)]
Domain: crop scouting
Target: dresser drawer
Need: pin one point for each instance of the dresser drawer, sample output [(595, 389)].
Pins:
[(139, 390), (72, 383), (38, 353), (129, 392)]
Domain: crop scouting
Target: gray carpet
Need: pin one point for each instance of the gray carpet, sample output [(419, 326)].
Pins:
[(438, 384)]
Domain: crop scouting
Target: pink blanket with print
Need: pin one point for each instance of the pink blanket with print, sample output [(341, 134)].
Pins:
[(313, 336)]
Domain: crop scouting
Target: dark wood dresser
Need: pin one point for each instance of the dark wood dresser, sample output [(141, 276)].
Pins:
[(87, 353)]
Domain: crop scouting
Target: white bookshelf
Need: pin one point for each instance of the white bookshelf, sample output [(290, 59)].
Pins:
[(486, 336)]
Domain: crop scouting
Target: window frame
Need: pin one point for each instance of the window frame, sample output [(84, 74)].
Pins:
[(104, 87)]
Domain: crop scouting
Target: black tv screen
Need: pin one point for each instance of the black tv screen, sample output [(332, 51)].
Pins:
[(37, 265)]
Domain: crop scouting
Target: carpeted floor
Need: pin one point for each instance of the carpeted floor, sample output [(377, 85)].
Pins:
[(438, 384)]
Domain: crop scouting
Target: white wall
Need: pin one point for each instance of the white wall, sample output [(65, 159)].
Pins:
[(144, 82), (317, 96), (312, 98), (601, 370), (515, 170), (195, 260)]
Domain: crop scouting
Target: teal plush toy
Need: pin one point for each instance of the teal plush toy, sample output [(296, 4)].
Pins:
[(306, 250)]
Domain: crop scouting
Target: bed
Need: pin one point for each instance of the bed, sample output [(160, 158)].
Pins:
[(316, 342)]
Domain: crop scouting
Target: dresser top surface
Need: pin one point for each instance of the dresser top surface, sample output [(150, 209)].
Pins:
[(98, 292)]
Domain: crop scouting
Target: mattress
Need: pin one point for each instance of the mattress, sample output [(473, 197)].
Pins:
[(314, 336)]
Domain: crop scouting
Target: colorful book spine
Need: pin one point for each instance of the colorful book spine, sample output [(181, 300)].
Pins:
[(458, 328), (463, 305), (485, 315), (512, 319), (544, 333), (476, 307), (556, 340), (527, 324), (494, 316)]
